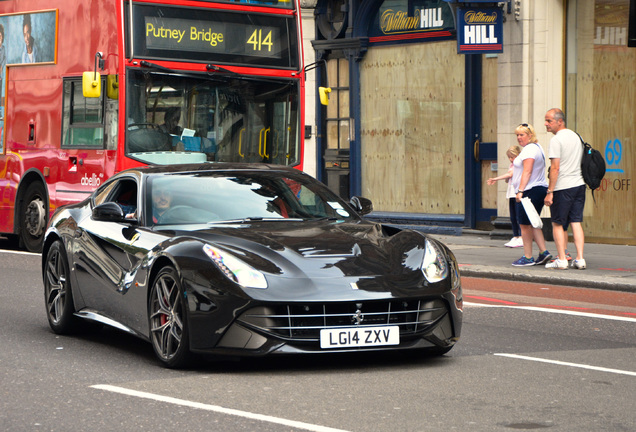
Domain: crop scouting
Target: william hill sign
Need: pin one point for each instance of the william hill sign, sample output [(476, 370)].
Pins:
[(479, 30), (400, 21)]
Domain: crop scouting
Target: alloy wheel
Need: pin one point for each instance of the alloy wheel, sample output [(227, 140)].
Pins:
[(167, 318)]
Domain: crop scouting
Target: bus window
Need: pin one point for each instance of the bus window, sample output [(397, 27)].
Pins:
[(82, 118)]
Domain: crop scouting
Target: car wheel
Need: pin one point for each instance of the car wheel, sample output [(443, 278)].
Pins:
[(167, 317), (33, 217), (57, 290)]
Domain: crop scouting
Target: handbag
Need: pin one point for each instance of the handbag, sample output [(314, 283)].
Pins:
[(534, 217)]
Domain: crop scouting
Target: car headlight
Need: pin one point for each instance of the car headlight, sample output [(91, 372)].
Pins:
[(434, 264), (235, 269)]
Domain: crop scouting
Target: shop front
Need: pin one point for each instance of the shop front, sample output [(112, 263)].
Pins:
[(418, 124), (406, 109), (601, 106)]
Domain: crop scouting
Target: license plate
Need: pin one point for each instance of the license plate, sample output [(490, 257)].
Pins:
[(359, 337)]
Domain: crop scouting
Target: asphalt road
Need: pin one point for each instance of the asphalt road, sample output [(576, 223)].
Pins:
[(525, 361)]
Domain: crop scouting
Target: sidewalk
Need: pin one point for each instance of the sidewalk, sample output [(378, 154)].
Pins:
[(608, 266)]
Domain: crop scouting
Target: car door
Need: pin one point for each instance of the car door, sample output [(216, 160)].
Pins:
[(107, 257)]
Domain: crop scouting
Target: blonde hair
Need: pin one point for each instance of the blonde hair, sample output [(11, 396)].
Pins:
[(513, 151), (528, 130)]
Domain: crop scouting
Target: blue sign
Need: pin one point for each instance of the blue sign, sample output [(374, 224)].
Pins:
[(479, 30)]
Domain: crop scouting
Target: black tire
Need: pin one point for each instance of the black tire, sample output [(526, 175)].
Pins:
[(58, 295), (33, 217), (168, 321)]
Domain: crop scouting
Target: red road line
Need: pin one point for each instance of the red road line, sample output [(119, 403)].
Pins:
[(589, 300)]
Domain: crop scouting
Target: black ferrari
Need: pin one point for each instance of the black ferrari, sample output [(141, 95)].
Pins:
[(248, 260)]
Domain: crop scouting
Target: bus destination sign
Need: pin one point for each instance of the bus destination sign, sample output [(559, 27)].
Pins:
[(211, 37)]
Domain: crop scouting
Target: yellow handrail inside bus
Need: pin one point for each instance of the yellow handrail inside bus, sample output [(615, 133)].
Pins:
[(262, 143), (241, 142)]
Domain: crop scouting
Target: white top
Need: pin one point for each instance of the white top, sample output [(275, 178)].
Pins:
[(511, 192), (537, 177), (566, 146)]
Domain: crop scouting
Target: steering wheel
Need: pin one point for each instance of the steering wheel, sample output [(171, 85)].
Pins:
[(147, 137), (175, 214), (135, 126)]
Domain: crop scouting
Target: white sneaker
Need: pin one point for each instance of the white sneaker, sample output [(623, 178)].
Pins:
[(514, 242), (579, 264), (557, 264)]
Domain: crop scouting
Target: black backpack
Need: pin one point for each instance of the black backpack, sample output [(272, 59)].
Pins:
[(592, 166)]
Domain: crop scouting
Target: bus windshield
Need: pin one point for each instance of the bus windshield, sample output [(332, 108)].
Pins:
[(186, 118)]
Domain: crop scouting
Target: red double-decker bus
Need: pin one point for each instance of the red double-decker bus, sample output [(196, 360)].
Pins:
[(90, 88)]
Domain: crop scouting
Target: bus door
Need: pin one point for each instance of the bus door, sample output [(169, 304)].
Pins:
[(272, 127), (283, 141)]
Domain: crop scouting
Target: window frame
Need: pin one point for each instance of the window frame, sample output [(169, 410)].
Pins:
[(70, 106)]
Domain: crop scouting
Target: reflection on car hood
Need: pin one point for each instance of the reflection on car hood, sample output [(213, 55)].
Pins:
[(321, 248)]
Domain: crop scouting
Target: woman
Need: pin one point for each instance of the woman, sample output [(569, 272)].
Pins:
[(529, 178)]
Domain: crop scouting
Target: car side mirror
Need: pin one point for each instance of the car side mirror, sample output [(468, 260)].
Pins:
[(109, 212), (361, 205)]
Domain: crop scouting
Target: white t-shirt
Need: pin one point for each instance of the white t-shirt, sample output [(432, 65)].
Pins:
[(537, 177), (511, 192), (566, 146)]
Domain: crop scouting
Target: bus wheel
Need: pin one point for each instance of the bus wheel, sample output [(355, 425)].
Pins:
[(33, 216)]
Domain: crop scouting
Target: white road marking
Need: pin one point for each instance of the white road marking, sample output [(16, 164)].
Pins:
[(215, 408), (557, 311), (560, 363), (19, 252)]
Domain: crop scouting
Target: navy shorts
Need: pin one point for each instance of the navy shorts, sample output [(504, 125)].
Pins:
[(537, 196), (567, 206)]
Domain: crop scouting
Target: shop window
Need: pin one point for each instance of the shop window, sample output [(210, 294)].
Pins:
[(82, 118), (337, 121), (600, 105), (332, 18)]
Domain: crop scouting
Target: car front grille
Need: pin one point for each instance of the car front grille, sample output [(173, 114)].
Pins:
[(304, 321)]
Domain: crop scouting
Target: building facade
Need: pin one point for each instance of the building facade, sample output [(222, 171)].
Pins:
[(418, 126)]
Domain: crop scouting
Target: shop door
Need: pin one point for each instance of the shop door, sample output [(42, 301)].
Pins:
[(337, 134), (481, 139)]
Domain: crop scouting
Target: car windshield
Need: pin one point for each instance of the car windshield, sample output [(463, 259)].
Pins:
[(221, 197), (174, 118)]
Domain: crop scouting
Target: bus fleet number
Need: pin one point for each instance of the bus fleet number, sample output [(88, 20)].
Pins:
[(258, 42)]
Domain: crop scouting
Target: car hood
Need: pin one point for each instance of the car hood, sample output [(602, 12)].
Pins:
[(321, 249)]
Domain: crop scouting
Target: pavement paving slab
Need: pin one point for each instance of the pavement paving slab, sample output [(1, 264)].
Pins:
[(608, 266)]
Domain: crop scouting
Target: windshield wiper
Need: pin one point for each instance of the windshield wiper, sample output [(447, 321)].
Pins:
[(148, 64), (214, 68), (197, 75)]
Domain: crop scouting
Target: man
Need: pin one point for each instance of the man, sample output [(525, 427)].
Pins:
[(171, 121), (161, 201), (566, 190), (29, 54)]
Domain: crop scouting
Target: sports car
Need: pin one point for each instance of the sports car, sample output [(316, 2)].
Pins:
[(247, 260)]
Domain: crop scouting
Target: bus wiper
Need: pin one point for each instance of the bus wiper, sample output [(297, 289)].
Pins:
[(157, 67), (147, 64), (214, 68)]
